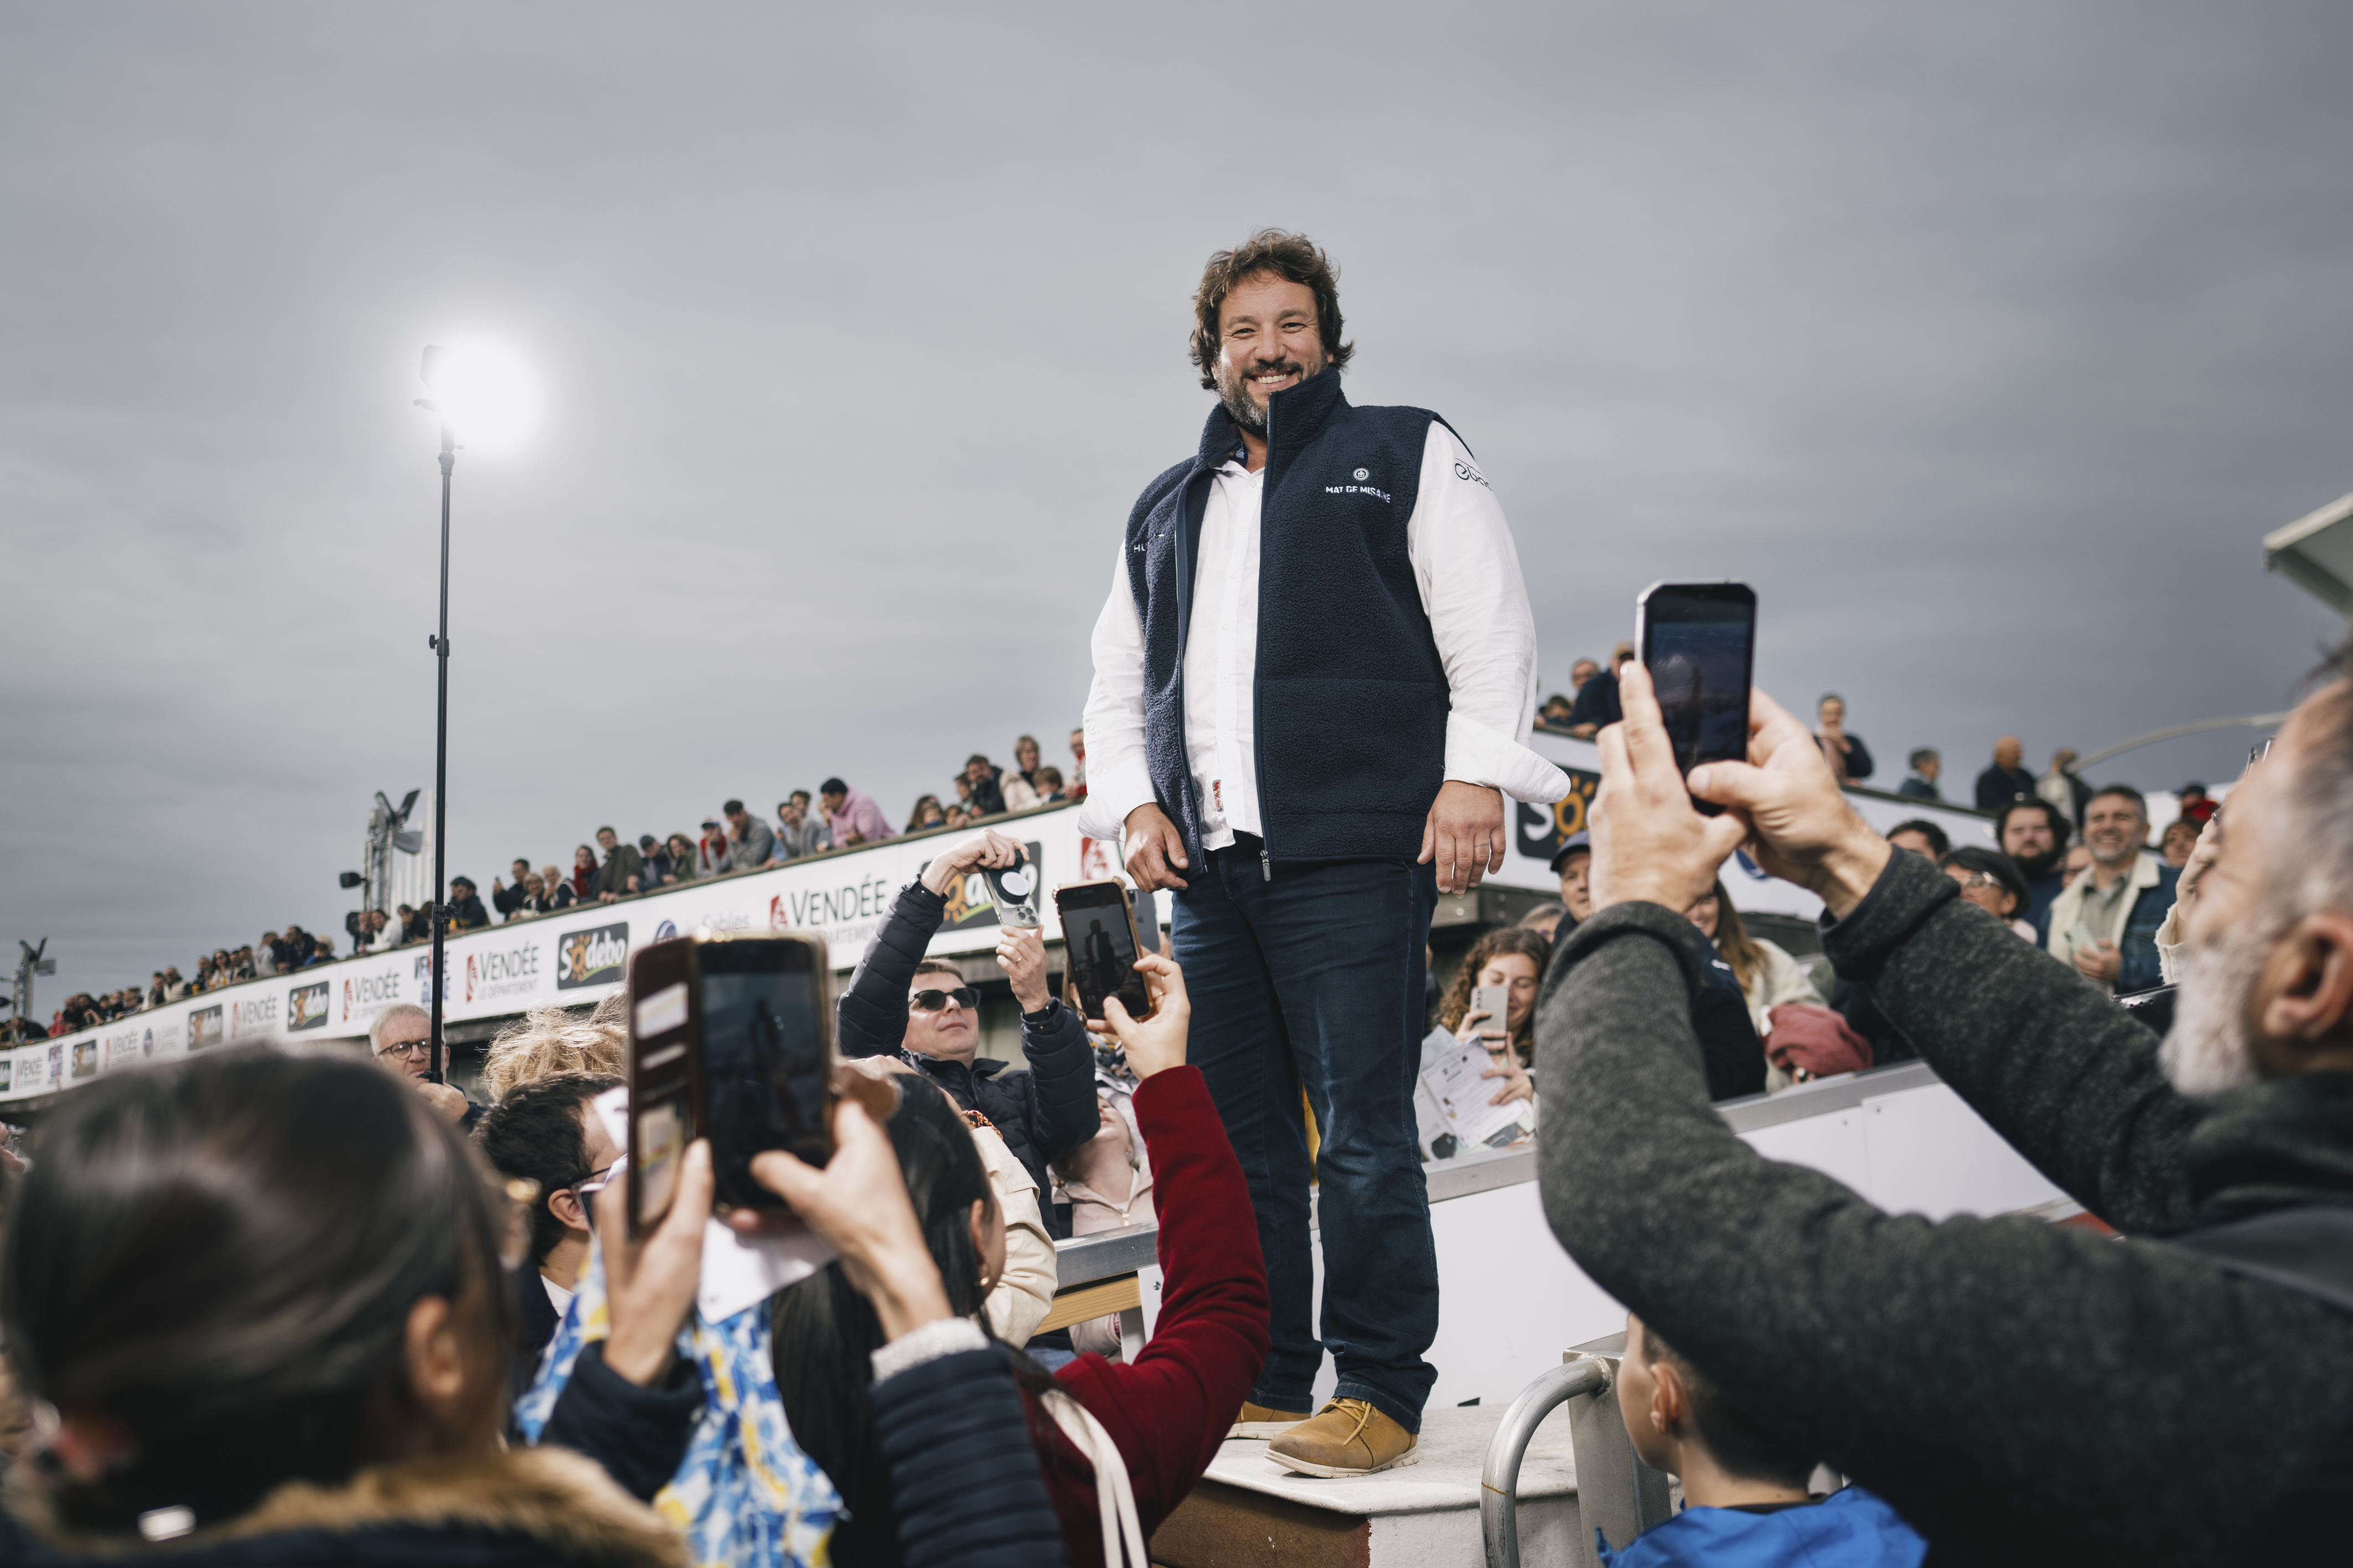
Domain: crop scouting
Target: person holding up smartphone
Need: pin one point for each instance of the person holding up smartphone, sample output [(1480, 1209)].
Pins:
[(902, 1003), (1314, 680)]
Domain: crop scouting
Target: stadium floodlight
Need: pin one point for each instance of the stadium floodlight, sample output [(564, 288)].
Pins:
[(483, 391)]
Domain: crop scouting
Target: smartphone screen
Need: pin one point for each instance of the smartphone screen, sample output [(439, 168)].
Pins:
[(766, 1068), (1098, 946), (1698, 642)]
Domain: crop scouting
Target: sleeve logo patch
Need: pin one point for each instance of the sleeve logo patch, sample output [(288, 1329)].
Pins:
[(1465, 471)]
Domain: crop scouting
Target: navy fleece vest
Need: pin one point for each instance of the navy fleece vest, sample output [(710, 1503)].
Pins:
[(1351, 697)]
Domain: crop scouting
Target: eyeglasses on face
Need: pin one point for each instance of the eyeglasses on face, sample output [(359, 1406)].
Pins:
[(406, 1049), (963, 996)]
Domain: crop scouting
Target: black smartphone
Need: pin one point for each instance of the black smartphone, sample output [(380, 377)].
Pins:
[(1698, 640), (1100, 947), (731, 1038)]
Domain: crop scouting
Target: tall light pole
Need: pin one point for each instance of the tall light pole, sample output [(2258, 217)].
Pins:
[(484, 392)]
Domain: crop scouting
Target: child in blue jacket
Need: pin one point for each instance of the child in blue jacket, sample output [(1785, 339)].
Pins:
[(1745, 1503)]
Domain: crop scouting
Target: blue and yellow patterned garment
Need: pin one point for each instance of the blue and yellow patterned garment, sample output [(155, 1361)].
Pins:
[(746, 1494)]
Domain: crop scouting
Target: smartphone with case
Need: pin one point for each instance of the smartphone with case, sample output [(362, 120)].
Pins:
[(1014, 890), (1100, 947), (1698, 640), (1495, 1001), (731, 1038)]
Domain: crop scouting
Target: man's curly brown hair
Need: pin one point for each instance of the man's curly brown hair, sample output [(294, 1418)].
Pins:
[(1286, 255)]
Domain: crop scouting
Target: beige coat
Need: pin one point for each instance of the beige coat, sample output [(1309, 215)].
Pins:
[(1024, 1293)]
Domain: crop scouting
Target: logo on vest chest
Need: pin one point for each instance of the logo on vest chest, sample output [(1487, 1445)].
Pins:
[(1359, 489)]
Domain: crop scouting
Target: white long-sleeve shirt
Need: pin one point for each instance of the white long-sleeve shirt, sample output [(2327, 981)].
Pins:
[(1471, 587)]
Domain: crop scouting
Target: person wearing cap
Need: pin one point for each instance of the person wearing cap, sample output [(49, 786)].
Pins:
[(1572, 863), (465, 910)]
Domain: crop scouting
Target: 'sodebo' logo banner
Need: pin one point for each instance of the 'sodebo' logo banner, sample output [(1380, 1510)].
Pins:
[(591, 957), (306, 1008)]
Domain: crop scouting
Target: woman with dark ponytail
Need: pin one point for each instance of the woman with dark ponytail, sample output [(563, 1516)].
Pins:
[(1120, 1446)]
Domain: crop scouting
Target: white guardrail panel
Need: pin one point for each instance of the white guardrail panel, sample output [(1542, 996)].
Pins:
[(580, 957), (571, 959)]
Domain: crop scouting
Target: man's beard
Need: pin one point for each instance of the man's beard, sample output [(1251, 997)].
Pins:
[(2034, 866), (2208, 1051), (1233, 391)]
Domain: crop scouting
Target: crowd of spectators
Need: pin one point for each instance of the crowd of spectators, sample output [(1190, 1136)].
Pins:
[(512, 1380), (733, 842)]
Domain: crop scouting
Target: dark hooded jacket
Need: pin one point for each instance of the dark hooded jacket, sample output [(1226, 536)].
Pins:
[(1044, 1111), (2022, 1392)]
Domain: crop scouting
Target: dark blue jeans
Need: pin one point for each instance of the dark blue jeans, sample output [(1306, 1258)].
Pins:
[(1313, 980)]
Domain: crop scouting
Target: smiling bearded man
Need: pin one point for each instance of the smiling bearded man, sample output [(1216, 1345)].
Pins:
[(1314, 678)]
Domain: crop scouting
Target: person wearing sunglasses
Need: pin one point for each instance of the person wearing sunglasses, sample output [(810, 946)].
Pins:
[(922, 1010)]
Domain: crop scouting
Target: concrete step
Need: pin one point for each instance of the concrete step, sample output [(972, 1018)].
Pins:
[(1251, 1512)]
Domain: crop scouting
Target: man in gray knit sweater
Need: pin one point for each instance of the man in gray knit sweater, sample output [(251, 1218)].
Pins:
[(2023, 1393)]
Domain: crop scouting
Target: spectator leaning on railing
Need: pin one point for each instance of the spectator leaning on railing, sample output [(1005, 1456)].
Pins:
[(508, 898), (1848, 758), (800, 830), (2005, 780), (749, 842), (1920, 783), (621, 874), (988, 797), (850, 817), (2021, 1393)]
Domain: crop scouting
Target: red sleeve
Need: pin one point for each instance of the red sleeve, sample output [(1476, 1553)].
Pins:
[(1170, 1410)]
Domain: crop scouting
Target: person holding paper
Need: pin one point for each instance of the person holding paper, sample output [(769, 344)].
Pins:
[(1467, 1047)]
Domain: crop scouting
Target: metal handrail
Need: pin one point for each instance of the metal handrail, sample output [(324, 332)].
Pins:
[(1499, 1482), (1105, 1255)]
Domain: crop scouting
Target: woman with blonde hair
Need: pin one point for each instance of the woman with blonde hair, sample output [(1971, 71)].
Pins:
[(551, 1041)]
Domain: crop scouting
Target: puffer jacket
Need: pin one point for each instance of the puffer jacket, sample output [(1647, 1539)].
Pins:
[(1044, 1111)]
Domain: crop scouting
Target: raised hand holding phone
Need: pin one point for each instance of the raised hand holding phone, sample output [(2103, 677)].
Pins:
[(1155, 1043)]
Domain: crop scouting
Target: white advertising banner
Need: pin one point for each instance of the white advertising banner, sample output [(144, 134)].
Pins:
[(581, 956), (568, 960)]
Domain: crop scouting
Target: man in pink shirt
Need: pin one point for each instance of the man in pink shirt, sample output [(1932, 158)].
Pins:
[(854, 818)]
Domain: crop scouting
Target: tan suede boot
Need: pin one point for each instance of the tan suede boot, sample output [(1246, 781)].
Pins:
[(1256, 1421), (1347, 1438)]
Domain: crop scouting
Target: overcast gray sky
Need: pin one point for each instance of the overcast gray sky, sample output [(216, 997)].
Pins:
[(1987, 341)]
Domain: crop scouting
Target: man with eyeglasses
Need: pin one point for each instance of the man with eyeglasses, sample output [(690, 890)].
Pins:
[(548, 1134), (919, 1009), (401, 1039)]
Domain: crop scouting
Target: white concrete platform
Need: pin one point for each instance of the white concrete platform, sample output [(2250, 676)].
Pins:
[(1251, 1512)]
